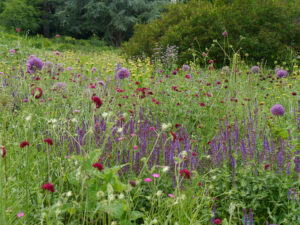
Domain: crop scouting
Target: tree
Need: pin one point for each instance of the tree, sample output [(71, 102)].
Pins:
[(20, 14), (112, 19)]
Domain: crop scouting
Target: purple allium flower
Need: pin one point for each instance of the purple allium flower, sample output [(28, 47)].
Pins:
[(277, 110), (282, 73), (34, 64), (123, 73), (59, 86), (185, 68), (60, 67), (48, 65), (255, 69)]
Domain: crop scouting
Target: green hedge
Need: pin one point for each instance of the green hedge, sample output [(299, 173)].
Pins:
[(270, 29)]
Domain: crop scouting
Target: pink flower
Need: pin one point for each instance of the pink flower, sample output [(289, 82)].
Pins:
[(12, 51), (57, 53), (18, 30), (147, 180), (225, 33), (171, 195), (135, 147), (204, 54), (94, 69), (211, 61), (156, 175), (69, 68), (57, 35), (152, 128), (20, 214)]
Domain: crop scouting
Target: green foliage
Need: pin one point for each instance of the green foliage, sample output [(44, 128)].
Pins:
[(111, 19), (20, 14), (270, 30), (266, 192)]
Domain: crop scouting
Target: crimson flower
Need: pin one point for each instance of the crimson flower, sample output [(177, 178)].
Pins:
[(3, 152), (267, 166), (186, 173), (37, 92), (49, 187), (98, 165), (132, 183), (174, 136), (49, 141), (202, 104), (97, 101), (217, 221), (294, 93), (24, 144)]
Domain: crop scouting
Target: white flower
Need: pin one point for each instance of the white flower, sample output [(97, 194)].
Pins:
[(28, 118), (165, 169), (159, 193), (111, 197), (120, 129), (166, 126), (74, 120), (104, 115), (121, 196), (69, 193)]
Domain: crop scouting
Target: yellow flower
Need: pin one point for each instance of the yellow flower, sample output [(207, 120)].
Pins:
[(278, 97)]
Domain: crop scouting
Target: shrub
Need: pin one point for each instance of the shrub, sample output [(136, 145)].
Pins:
[(269, 30)]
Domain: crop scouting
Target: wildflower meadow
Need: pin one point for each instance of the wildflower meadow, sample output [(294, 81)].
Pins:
[(90, 136)]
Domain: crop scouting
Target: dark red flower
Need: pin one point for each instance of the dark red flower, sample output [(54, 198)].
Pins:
[(217, 221), (294, 93), (186, 173), (49, 187), (202, 104), (174, 136), (3, 152), (97, 101), (177, 125), (49, 141), (37, 92), (132, 183), (24, 143), (267, 166), (98, 165), (199, 184)]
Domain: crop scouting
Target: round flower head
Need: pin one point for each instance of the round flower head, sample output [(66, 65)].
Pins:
[(255, 69), (48, 65), (225, 70), (185, 68), (277, 110), (282, 73), (123, 73), (60, 67), (59, 87), (49, 187), (34, 64)]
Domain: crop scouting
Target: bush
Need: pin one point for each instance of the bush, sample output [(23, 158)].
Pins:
[(267, 30)]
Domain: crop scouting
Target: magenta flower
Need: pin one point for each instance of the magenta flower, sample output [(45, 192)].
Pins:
[(217, 221), (171, 195), (225, 33), (147, 180), (20, 214), (49, 187), (12, 51), (156, 175)]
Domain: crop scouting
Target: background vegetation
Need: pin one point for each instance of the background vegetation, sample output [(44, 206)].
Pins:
[(267, 30)]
